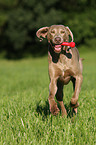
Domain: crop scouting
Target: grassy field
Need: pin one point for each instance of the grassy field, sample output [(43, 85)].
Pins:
[(24, 111)]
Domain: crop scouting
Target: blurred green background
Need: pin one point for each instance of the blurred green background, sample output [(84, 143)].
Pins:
[(20, 19), (24, 115)]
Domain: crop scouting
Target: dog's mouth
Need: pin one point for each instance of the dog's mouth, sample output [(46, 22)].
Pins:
[(57, 48)]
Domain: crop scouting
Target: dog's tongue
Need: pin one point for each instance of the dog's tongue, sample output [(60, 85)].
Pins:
[(58, 48)]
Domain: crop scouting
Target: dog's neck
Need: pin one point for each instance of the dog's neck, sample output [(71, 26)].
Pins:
[(55, 56)]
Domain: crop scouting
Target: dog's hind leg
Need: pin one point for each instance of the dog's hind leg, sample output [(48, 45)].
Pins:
[(77, 82)]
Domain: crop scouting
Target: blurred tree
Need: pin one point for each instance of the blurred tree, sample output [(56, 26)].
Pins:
[(5, 4), (83, 25), (18, 27), (20, 19)]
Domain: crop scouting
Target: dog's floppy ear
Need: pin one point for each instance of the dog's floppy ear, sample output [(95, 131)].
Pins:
[(69, 32), (42, 32)]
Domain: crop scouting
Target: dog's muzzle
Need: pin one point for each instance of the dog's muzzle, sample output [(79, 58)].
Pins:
[(57, 41), (57, 48)]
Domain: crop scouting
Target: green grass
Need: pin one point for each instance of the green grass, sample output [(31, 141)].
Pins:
[(24, 109)]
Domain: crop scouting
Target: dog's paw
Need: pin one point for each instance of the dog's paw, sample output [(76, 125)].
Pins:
[(75, 110), (74, 105), (54, 110), (64, 113)]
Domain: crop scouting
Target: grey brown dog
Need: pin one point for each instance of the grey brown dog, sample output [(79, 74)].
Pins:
[(65, 65)]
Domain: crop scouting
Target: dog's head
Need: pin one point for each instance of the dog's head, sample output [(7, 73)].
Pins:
[(56, 35)]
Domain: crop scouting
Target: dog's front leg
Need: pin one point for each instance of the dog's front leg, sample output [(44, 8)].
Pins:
[(52, 91), (74, 100)]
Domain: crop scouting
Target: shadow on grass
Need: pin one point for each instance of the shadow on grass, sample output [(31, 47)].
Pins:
[(44, 110)]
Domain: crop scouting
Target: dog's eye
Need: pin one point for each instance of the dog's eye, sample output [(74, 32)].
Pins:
[(53, 31), (62, 32)]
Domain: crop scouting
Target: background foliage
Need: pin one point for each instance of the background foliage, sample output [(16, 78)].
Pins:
[(20, 19)]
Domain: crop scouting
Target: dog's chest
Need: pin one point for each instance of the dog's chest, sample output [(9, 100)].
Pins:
[(62, 68), (64, 62), (65, 65)]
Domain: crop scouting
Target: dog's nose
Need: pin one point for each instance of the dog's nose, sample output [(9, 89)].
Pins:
[(57, 39)]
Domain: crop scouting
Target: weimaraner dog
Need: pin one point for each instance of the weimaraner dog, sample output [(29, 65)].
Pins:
[(65, 65)]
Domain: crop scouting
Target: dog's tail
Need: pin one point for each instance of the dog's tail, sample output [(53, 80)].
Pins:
[(81, 65)]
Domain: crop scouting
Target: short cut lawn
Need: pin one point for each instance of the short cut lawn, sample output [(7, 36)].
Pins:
[(24, 111)]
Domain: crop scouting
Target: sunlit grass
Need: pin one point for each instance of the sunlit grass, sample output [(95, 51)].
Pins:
[(25, 116)]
